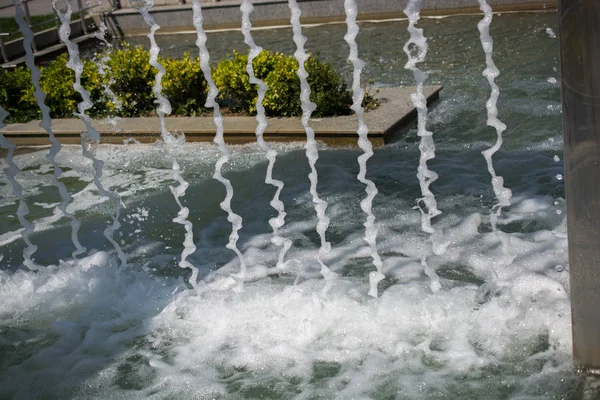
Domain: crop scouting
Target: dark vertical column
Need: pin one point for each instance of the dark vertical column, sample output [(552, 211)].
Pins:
[(580, 73)]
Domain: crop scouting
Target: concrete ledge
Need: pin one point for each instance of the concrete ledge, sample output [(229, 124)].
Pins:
[(395, 113)]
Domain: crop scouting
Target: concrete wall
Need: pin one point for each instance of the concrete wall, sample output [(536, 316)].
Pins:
[(226, 14)]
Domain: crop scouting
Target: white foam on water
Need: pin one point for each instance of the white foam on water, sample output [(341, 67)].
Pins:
[(363, 132), (86, 330), (312, 152)]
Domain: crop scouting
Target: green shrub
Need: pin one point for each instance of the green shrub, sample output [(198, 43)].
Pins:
[(14, 86), (131, 78), (56, 81), (184, 85), (328, 90)]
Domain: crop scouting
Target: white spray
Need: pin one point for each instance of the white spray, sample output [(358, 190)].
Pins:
[(91, 138), (427, 146), (172, 142), (23, 210), (311, 144), (211, 101), (271, 154), (491, 72), (46, 124), (363, 141)]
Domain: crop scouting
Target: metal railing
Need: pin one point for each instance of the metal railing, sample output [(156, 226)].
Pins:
[(81, 11)]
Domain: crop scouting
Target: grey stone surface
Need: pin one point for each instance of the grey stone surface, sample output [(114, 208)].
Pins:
[(226, 14), (395, 112)]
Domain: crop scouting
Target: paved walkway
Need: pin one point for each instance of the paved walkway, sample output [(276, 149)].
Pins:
[(395, 113)]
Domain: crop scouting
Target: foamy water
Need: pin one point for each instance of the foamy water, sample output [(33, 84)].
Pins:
[(497, 328)]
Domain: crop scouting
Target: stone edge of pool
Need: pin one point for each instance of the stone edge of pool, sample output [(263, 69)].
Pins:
[(395, 113)]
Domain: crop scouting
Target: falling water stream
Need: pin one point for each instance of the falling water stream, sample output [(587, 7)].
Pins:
[(312, 153), (426, 147), (91, 137), (172, 142), (277, 222), (363, 141), (455, 316)]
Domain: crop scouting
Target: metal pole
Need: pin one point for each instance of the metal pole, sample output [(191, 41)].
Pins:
[(28, 19), (81, 17), (580, 56), (3, 48)]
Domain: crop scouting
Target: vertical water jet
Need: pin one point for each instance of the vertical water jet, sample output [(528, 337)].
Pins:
[(171, 141), (23, 210), (90, 139), (418, 42), (491, 72), (271, 155), (363, 142), (312, 152), (46, 124)]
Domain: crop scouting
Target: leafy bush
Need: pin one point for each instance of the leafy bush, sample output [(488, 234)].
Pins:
[(328, 90), (56, 81), (131, 78), (14, 85), (184, 85)]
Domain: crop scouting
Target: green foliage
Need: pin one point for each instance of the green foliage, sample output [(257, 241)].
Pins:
[(14, 85), (131, 77), (278, 71), (62, 98), (184, 85)]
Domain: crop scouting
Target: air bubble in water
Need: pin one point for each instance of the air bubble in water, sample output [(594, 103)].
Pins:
[(556, 158), (559, 177)]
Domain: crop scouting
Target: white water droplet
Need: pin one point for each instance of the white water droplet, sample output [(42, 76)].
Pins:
[(552, 80), (559, 177), (551, 33), (556, 158)]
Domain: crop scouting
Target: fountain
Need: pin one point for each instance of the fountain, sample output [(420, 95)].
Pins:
[(326, 293)]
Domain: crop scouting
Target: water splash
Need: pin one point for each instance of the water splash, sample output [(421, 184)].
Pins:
[(172, 142), (363, 141), (277, 222), (418, 42), (23, 210), (91, 138), (491, 72), (312, 153), (46, 124)]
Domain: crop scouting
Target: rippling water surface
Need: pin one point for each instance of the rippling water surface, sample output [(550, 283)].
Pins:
[(499, 327)]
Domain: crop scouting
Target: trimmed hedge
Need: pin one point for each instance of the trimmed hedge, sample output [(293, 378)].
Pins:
[(131, 78)]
